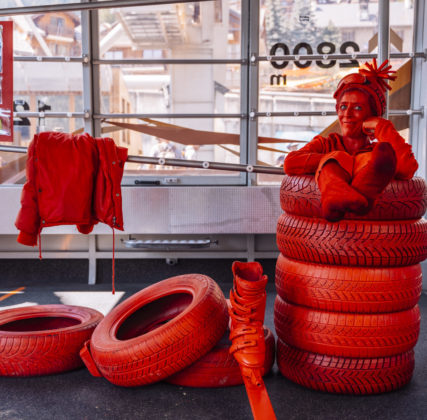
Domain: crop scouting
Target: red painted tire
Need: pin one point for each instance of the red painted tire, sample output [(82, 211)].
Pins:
[(348, 289), (44, 339), (342, 375), (219, 368), (347, 335), (159, 331), (401, 199), (352, 242)]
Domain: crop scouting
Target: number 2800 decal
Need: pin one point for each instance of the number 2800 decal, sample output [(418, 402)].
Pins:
[(324, 48)]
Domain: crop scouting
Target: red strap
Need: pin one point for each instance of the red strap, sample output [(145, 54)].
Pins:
[(40, 246), (112, 265), (88, 360), (258, 399)]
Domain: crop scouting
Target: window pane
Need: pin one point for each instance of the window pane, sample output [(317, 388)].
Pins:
[(12, 165), (149, 144), (42, 86), (400, 95), (205, 30), (179, 88), (304, 28), (47, 34), (58, 85), (402, 26), (197, 30)]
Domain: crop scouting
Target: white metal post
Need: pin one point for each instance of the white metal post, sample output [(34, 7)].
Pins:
[(384, 35)]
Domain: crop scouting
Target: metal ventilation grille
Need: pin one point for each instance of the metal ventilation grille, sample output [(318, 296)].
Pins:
[(169, 244)]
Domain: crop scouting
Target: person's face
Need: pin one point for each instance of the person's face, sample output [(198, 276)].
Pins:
[(353, 109)]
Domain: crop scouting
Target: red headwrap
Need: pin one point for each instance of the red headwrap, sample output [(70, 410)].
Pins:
[(371, 80)]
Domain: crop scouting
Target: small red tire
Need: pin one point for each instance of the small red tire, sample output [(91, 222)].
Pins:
[(346, 335), (219, 368), (348, 289), (159, 331), (352, 242), (44, 339), (401, 199), (342, 375)]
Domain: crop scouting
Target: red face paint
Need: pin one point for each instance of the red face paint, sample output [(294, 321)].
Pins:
[(353, 110)]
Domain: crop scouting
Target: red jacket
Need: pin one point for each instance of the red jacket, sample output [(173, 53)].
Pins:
[(71, 179)]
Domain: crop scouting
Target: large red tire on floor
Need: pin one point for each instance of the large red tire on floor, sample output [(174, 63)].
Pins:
[(159, 331), (219, 368), (352, 242), (347, 335), (44, 339), (342, 375), (348, 289), (401, 199)]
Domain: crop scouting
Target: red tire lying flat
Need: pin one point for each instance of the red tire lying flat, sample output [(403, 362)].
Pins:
[(219, 368), (357, 243), (345, 375), (401, 199), (347, 335), (158, 331), (44, 339), (348, 289)]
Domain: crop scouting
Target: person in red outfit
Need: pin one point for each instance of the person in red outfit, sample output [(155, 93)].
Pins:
[(353, 169)]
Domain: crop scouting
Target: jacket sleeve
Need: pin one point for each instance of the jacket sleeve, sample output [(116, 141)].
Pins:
[(28, 219), (406, 162), (107, 202), (306, 160)]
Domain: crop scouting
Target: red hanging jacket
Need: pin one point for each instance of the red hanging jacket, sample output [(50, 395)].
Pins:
[(71, 179)]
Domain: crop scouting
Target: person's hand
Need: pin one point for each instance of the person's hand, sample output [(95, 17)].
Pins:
[(369, 126)]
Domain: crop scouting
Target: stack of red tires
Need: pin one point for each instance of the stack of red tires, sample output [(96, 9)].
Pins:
[(346, 313)]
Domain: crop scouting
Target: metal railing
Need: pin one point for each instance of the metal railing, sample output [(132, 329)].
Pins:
[(182, 163)]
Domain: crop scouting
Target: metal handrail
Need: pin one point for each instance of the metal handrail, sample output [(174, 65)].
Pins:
[(253, 114), (35, 114), (182, 163), (312, 57), (126, 61), (242, 61), (52, 59), (159, 115)]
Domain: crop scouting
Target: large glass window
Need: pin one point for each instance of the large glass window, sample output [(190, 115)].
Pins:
[(186, 45), (301, 86), (192, 66), (47, 78)]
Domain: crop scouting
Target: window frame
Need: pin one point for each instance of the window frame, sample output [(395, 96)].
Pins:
[(249, 91)]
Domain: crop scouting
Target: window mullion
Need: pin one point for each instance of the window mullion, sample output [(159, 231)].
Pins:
[(418, 124), (91, 85), (253, 85), (384, 35)]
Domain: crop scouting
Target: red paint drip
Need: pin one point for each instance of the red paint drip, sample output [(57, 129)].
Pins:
[(112, 265)]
